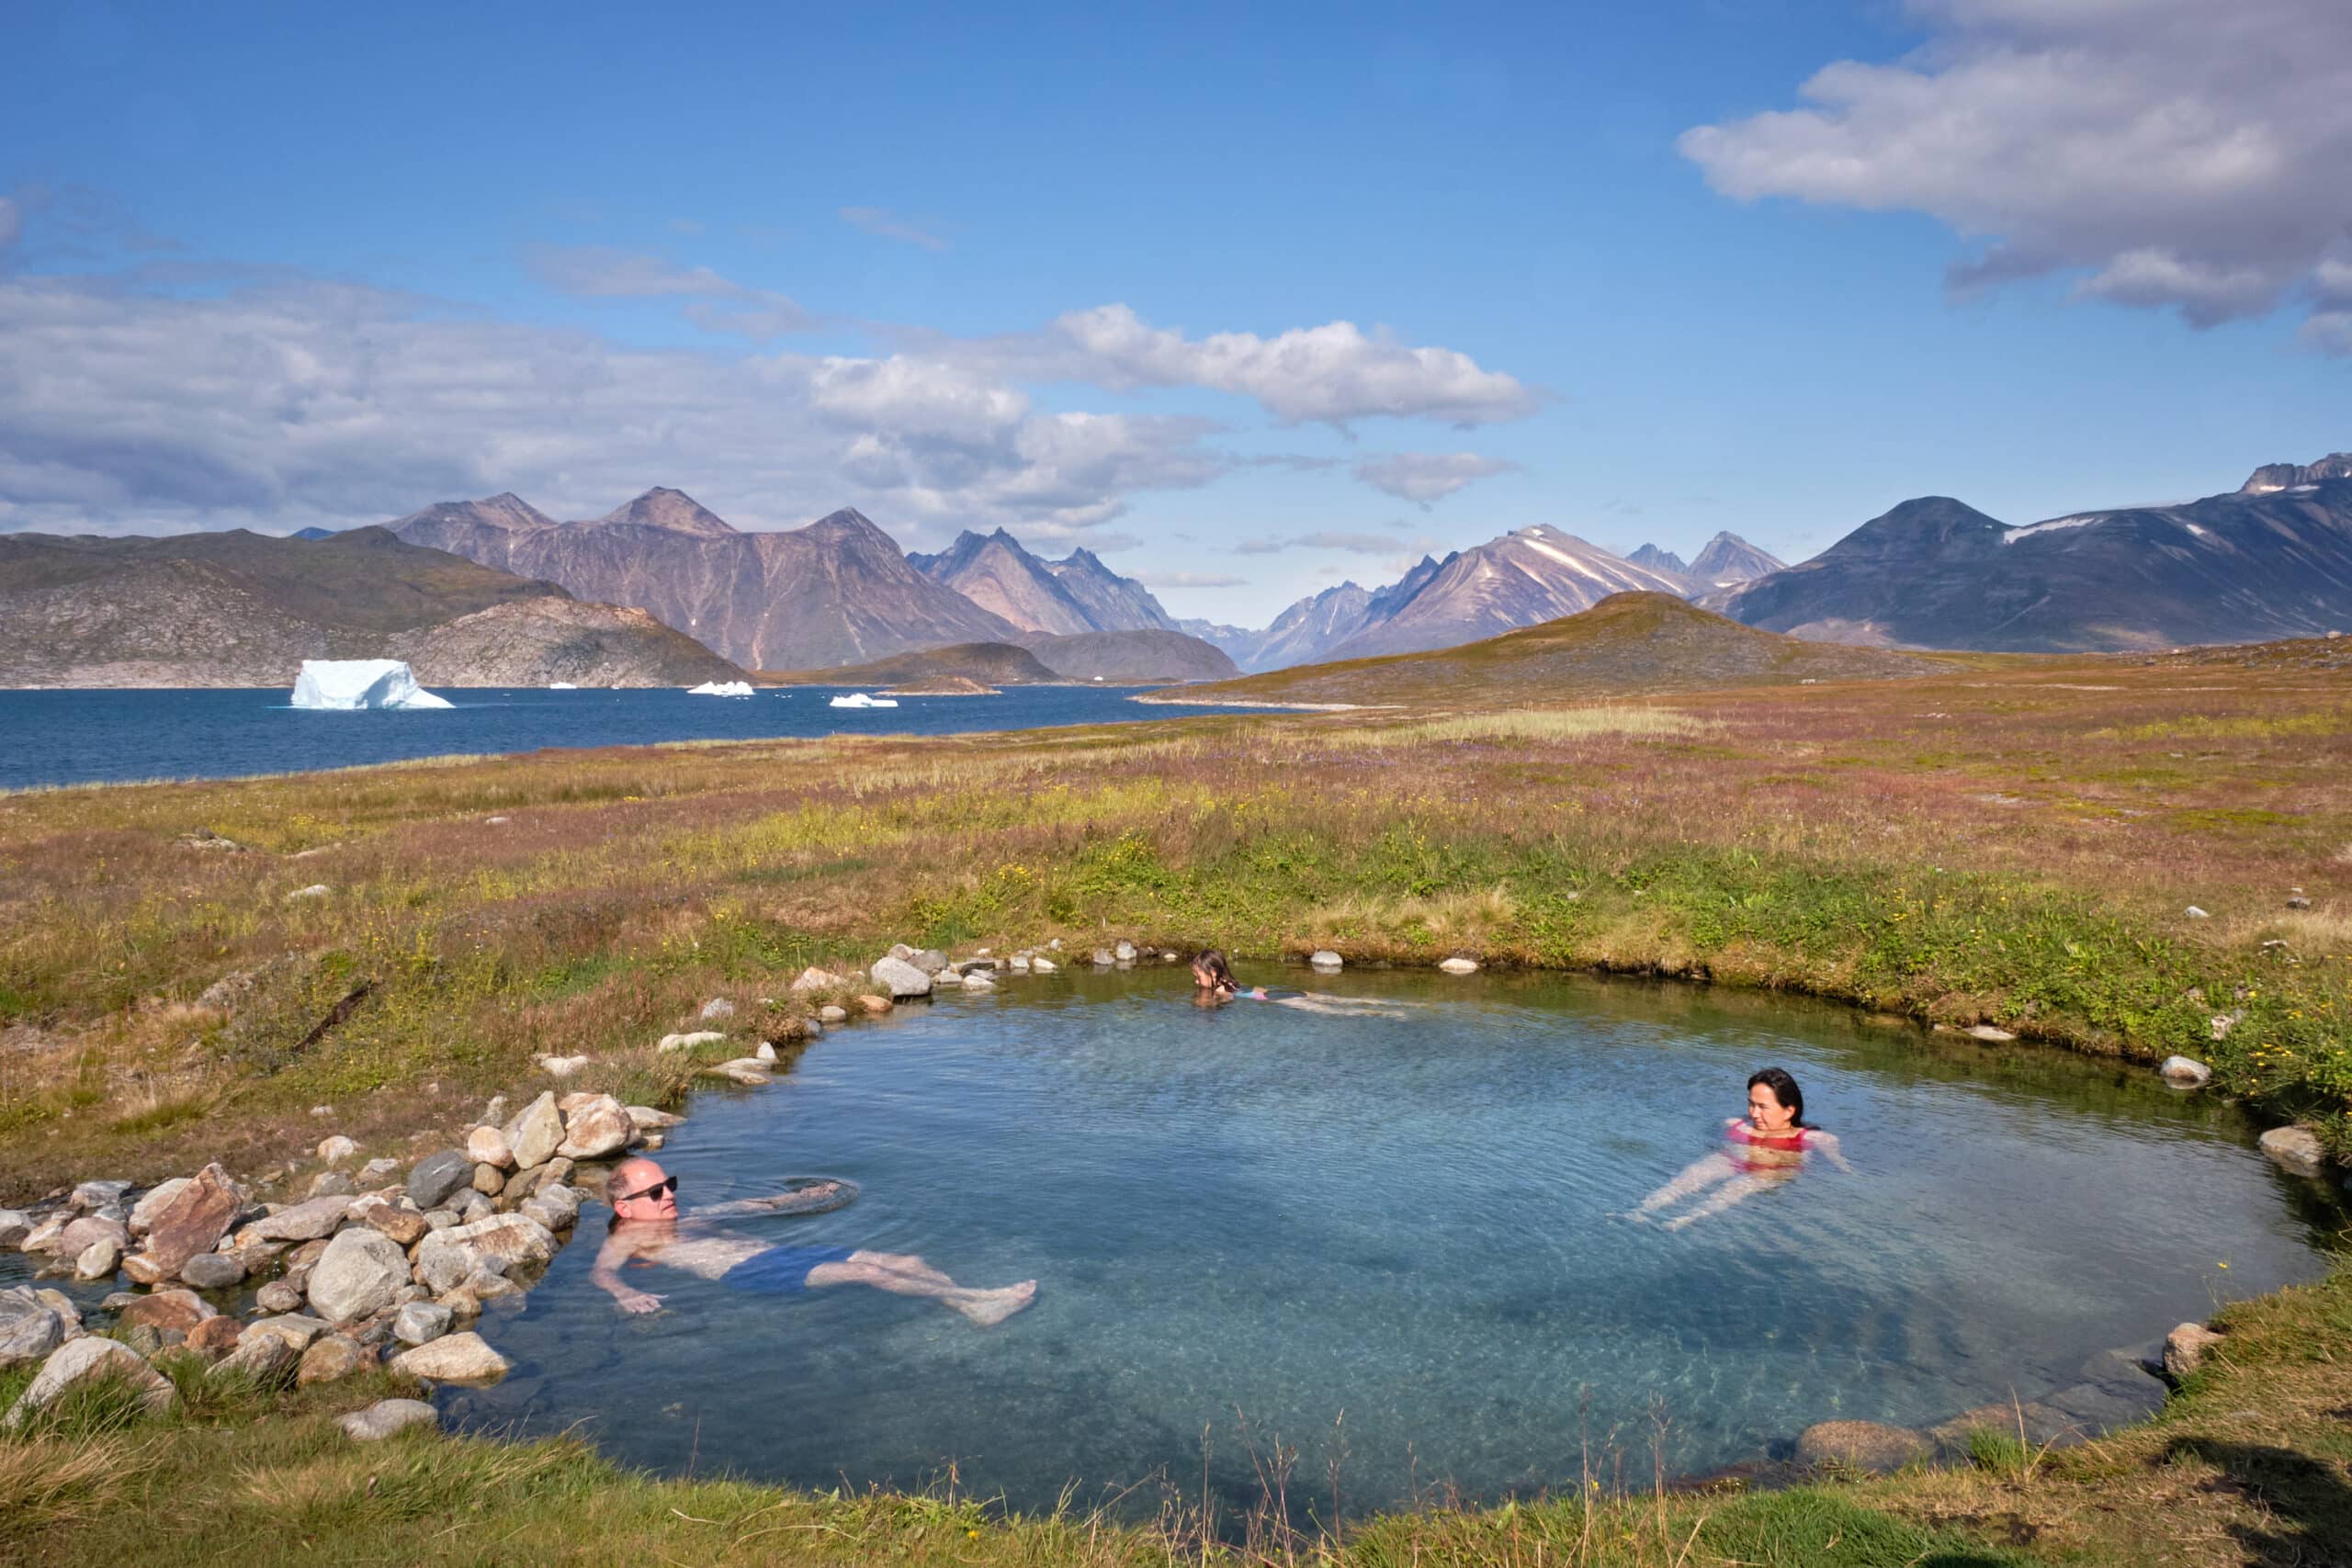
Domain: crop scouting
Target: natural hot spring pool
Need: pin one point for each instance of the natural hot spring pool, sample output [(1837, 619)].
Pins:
[(1256, 1213)]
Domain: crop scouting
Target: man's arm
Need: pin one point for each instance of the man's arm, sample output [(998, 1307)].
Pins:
[(605, 1272), (801, 1201)]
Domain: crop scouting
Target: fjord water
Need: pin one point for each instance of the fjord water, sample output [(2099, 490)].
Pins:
[(88, 737), (1389, 1239)]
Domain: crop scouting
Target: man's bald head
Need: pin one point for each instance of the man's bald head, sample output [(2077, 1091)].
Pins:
[(641, 1189)]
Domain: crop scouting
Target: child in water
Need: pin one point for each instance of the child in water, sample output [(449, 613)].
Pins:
[(1214, 985), (1765, 1150)]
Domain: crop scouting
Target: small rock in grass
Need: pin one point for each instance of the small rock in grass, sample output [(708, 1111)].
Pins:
[(900, 978), (1861, 1445), (336, 1149), (264, 1358), (2295, 1150), (378, 1168), (2194, 913), (814, 979), (296, 1330), (560, 1067), (2185, 1350), (831, 1014), (692, 1040), (215, 1337), (330, 1357), (717, 1008), (385, 1417), (86, 1361), (2296, 900), (2186, 1072), (315, 890), (1458, 965)]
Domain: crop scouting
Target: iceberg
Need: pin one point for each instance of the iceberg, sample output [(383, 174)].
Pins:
[(720, 689), (561, 686), (349, 683), (860, 700)]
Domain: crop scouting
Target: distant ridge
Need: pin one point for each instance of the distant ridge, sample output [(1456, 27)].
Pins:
[(1061, 598), (1146, 653), (984, 663)]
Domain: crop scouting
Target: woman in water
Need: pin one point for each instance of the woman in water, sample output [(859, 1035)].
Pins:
[(1764, 1150), (1214, 986)]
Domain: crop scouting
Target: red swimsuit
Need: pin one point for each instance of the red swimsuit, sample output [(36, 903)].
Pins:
[(1739, 1133)]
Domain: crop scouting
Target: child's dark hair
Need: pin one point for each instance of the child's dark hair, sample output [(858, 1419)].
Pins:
[(1784, 1089), (1212, 962)]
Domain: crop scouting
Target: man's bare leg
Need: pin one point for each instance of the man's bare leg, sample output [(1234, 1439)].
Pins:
[(903, 1275)]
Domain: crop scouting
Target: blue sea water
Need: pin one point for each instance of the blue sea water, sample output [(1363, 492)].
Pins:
[(83, 737), (1388, 1240)]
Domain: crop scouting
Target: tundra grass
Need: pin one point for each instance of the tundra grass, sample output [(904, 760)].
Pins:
[(2000, 846)]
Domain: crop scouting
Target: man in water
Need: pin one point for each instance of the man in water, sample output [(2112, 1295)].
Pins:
[(647, 1228)]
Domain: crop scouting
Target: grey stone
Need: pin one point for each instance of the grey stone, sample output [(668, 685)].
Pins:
[(212, 1270), (1125, 952), (89, 1195), (143, 1338), (309, 1221), (2186, 1072), (979, 980), (599, 1127), (534, 1134), (648, 1119), (474, 1206), (900, 978), (1042, 966), (2295, 1150), (1324, 958), (30, 1327), (78, 1237), (85, 1361), (555, 1206), (437, 1176), (749, 1071), (334, 1150), (420, 1322), (264, 1358), (279, 1296), (692, 1040), (100, 1260), (1459, 965), (357, 1275), (14, 1226), (294, 1330), (454, 1357), (717, 1008), (378, 1168), (445, 1260), (385, 1417), (1104, 958), (930, 961), (332, 1184), (832, 1014)]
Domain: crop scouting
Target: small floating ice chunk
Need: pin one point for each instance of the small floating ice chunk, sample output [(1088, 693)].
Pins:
[(350, 683), (720, 689), (561, 686), (862, 700)]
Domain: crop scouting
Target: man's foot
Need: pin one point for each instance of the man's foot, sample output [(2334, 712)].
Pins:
[(989, 1307)]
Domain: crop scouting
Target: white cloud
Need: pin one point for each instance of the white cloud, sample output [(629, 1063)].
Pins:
[(12, 222), (884, 224), (283, 401), (1427, 476), (2177, 154), (1187, 579), (1355, 544), (602, 272)]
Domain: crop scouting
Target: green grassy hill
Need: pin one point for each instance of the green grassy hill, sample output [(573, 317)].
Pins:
[(1628, 643)]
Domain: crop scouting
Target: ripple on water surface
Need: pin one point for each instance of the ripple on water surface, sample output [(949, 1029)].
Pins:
[(1264, 1216)]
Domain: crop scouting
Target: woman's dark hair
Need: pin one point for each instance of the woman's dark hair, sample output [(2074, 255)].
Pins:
[(1212, 962), (1784, 1089)]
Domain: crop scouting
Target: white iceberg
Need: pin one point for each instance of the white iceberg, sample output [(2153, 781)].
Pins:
[(860, 700), (360, 683), (720, 689), (561, 686)]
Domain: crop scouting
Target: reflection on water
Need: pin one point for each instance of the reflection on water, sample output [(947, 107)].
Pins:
[(1254, 1215)]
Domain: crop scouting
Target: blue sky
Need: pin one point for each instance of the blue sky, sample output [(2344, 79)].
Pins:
[(278, 266)]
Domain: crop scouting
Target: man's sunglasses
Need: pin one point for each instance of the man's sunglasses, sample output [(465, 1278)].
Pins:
[(667, 1184)]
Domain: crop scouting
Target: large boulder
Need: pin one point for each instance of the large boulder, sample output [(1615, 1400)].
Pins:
[(452, 1358), (1861, 1445), (182, 1310), (900, 978), (360, 1272), (534, 1134), (78, 1235), (195, 1220), (385, 1417), (86, 1361), (30, 1327), (309, 1221), (153, 1201), (437, 1176), (446, 1259), (599, 1127)]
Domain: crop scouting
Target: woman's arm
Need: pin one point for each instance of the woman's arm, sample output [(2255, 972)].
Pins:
[(1826, 1143)]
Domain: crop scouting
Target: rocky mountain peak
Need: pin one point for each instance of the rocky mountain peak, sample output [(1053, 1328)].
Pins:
[(1660, 560), (673, 510), (2271, 478)]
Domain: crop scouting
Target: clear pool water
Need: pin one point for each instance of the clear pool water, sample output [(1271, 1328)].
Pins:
[(1388, 1237)]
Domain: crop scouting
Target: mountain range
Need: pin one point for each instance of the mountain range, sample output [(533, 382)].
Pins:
[(2271, 559), (1053, 598), (241, 609)]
